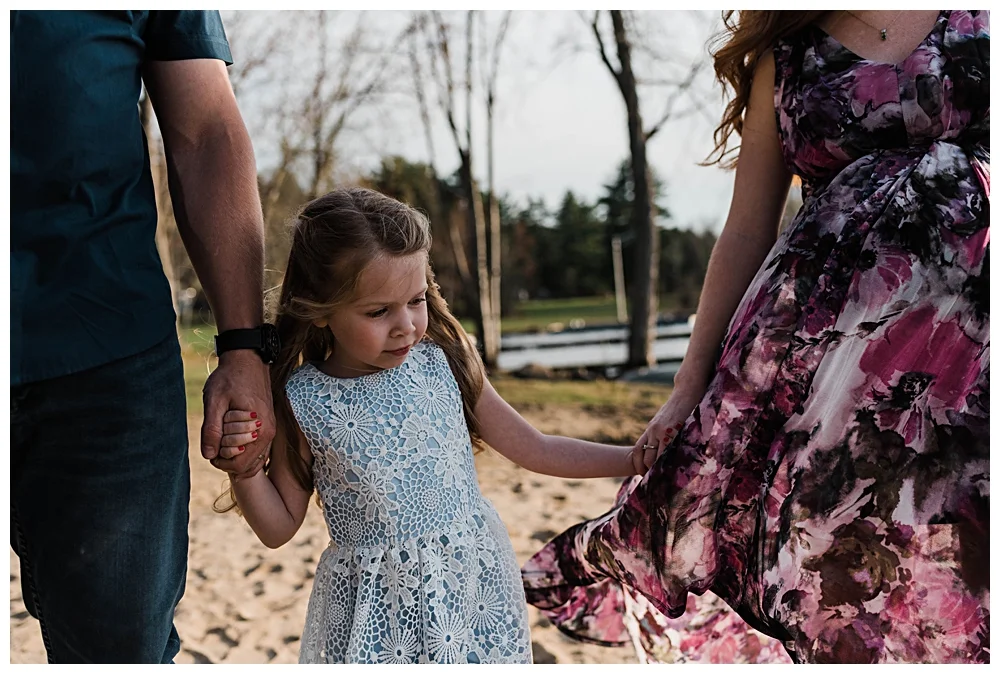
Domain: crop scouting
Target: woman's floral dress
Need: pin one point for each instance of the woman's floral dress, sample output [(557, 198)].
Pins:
[(833, 484)]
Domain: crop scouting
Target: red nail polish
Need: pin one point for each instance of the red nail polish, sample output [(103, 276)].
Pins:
[(243, 449), (254, 434), (259, 423), (253, 415)]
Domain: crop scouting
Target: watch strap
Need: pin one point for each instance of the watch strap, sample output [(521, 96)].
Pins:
[(239, 338)]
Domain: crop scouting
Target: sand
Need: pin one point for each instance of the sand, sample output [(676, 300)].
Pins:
[(246, 604)]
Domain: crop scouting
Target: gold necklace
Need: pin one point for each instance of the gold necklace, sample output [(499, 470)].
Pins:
[(882, 32)]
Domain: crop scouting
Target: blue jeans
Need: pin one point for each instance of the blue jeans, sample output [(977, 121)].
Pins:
[(100, 487)]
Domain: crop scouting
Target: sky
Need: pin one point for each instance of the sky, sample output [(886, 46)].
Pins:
[(560, 118)]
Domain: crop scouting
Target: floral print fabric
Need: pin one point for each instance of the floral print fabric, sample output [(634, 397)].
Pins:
[(832, 487)]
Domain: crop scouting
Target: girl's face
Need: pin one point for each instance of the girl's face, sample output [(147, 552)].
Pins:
[(387, 316)]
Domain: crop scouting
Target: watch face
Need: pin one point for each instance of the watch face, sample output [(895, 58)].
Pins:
[(271, 343)]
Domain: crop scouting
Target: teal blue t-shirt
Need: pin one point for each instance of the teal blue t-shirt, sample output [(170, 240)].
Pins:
[(87, 287)]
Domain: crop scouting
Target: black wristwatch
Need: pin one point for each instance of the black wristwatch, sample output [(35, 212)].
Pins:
[(263, 339)]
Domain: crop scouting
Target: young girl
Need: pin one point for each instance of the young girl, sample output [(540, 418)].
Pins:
[(379, 399)]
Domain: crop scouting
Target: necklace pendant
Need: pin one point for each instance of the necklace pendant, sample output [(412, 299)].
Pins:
[(882, 34)]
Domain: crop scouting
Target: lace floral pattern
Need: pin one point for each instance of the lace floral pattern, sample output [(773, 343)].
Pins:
[(419, 568)]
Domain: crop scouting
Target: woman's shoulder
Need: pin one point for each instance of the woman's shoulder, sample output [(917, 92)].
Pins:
[(788, 50)]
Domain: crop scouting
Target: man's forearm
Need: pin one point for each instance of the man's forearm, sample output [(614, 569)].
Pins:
[(213, 186)]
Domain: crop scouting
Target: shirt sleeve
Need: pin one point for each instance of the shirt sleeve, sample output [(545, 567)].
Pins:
[(178, 35)]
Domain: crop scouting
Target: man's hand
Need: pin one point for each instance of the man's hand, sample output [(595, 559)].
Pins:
[(240, 382)]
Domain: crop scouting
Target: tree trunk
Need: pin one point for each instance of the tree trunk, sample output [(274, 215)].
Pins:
[(316, 110), (646, 247), (494, 223), (477, 223), (272, 192), (461, 258), (438, 210), (477, 218), (619, 273), (496, 302)]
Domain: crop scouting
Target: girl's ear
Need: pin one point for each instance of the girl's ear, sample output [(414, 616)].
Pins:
[(321, 323)]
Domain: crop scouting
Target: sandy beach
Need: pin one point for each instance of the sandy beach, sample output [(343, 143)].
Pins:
[(246, 604)]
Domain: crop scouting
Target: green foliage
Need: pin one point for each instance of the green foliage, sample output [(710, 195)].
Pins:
[(546, 255), (537, 315), (683, 261), (618, 197), (568, 253), (583, 254)]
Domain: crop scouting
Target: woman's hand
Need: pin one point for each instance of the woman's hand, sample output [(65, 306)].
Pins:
[(669, 420), (636, 459)]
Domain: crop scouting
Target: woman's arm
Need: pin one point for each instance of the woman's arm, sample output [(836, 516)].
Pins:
[(274, 504), (506, 431), (759, 194)]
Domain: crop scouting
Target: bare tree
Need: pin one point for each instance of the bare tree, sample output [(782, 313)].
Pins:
[(356, 76), (438, 211), (490, 336), (440, 50), (270, 92), (646, 248), (494, 220), (306, 80), (258, 40), (349, 67)]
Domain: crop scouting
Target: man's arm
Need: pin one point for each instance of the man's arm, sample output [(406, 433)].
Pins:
[(213, 187)]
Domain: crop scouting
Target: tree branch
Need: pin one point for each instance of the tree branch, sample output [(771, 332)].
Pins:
[(679, 91), (418, 84), (375, 82), (252, 59), (469, 23), (447, 104), (491, 82), (600, 47)]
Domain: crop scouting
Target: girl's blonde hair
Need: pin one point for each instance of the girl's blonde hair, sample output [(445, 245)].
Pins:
[(334, 237)]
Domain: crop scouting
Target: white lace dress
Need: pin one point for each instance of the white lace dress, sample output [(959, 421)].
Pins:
[(420, 568)]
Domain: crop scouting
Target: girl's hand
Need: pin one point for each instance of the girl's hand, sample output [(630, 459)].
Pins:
[(636, 458), (239, 429), (667, 422)]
